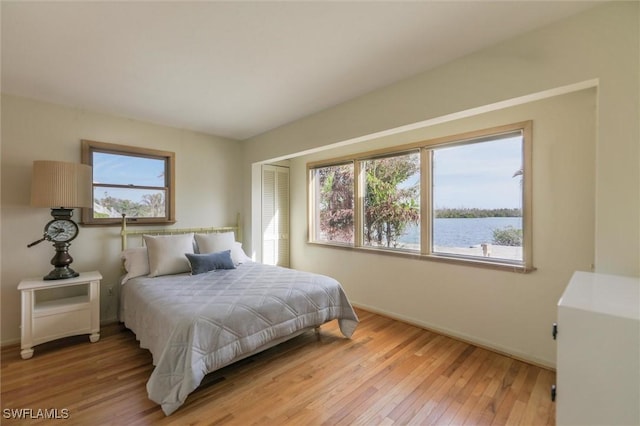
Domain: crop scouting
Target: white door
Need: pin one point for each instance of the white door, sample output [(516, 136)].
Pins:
[(275, 215)]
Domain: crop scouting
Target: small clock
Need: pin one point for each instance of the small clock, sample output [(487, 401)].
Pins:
[(61, 230)]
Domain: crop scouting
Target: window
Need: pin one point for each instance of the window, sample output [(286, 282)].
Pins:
[(464, 198), (333, 204), (392, 202), (136, 182), (477, 198)]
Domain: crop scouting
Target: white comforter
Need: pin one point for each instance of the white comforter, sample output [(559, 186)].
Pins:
[(194, 325)]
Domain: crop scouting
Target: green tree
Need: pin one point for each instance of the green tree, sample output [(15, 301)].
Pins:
[(336, 202), (154, 204), (507, 236), (391, 202), (118, 205), (465, 213)]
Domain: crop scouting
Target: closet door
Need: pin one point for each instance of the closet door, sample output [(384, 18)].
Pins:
[(275, 215)]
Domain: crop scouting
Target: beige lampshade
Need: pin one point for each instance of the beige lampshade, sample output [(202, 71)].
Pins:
[(61, 184)]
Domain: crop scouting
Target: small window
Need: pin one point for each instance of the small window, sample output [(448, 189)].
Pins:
[(333, 204), (136, 182)]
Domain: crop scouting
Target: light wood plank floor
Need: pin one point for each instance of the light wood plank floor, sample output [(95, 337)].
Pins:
[(389, 373)]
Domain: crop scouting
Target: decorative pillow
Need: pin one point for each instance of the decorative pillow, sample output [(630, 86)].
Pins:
[(136, 263), (221, 241), (201, 263), (167, 253)]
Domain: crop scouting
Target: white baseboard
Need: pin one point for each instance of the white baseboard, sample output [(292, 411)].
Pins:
[(9, 342)]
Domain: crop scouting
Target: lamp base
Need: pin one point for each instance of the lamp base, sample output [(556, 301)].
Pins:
[(61, 273), (61, 261)]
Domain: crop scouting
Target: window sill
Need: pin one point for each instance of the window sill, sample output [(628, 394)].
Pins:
[(444, 258), (118, 222)]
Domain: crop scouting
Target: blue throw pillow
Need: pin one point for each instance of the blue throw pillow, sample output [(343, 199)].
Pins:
[(201, 263)]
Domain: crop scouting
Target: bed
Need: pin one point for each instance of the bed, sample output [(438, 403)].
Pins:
[(198, 303)]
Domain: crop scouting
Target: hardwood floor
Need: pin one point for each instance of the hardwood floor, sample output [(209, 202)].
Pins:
[(389, 373)]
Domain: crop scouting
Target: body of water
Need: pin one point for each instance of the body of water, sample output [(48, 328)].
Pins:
[(463, 232)]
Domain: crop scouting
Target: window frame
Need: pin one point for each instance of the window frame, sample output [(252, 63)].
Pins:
[(363, 186), (312, 222), (426, 148), (89, 147)]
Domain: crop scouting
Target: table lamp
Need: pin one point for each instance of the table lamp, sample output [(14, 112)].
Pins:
[(61, 186)]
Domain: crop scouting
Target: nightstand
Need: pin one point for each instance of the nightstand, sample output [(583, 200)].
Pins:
[(43, 321)]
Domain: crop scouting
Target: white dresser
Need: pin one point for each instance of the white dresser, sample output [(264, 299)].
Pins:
[(598, 364)]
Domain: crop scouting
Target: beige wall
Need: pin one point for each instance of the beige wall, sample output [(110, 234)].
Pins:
[(508, 311), (598, 48), (502, 310), (208, 182)]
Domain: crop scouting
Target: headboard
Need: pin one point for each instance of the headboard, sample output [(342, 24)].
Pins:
[(126, 233)]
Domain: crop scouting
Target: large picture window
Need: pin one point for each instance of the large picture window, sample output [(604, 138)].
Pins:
[(464, 198), (136, 182)]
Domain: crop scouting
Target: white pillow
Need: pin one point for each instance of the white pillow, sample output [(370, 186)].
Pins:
[(215, 242), (167, 253), (136, 263), (238, 253), (221, 241)]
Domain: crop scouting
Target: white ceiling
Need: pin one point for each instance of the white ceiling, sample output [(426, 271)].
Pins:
[(237, 69)]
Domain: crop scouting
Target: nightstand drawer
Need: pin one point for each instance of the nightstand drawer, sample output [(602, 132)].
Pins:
[(56, 325)]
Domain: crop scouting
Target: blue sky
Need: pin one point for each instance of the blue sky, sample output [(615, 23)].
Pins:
[(126, 170), (478, 175)]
